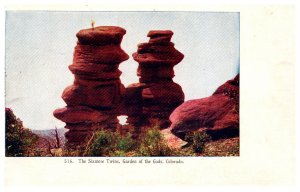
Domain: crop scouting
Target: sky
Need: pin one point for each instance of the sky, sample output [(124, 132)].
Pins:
[(39, 47)]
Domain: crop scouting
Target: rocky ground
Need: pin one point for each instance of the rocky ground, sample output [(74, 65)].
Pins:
[(222, 147)]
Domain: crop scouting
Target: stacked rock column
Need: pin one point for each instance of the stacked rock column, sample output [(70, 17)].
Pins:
[(156, 95), (97, 91)]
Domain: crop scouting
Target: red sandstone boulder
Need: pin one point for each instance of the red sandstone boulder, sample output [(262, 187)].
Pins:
[(214, 113), (102, 35), (78, 114), (107, 54), (217, 115)]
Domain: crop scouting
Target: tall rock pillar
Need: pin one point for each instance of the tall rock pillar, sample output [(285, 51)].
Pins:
[(92, 100), (156, 95)]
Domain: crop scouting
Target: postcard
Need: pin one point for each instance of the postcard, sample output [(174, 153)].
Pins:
[(172, 96)]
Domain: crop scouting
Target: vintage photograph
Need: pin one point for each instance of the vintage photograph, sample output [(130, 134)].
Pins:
[(122, 84)]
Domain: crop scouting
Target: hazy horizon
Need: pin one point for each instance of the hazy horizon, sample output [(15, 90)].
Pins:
[(40, 45)]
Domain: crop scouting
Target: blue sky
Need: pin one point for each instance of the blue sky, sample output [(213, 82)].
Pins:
[(40, 45)]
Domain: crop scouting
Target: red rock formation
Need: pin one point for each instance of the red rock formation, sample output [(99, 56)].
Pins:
[(156, 96), (218, 114), (97, 90)]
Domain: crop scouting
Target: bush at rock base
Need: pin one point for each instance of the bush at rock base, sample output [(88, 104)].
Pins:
[(103, 142), (149, 143)]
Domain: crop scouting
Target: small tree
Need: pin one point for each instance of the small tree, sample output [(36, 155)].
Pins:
[(57, 140), (18, 140)]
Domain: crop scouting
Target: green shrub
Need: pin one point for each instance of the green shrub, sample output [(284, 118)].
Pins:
[(197, 140), (106, 143), (155, 149), (102, 143), (125, 143), (151, 136), (152, 144)]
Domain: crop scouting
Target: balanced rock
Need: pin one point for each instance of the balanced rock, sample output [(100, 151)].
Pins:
[(159, 50), (160, 36)]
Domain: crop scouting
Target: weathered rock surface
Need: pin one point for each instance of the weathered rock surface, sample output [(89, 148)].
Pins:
[(169, 58), (106, 96), (217, 115), (107, 54), (164, 92), (155, 74), (78, 114)]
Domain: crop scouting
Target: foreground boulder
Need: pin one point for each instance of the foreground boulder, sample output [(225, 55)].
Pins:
[(217, 115)]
